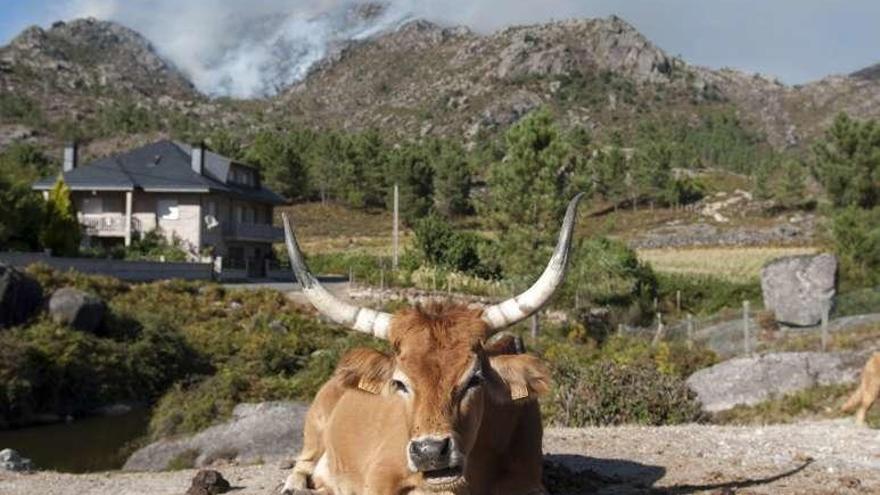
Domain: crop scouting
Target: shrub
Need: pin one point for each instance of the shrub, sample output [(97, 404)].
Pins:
[(625, 380), (20, 108), (703, 294), (608, 393), (61, 231), (441, 245), (856, 237), (153, 245), (608, 273)]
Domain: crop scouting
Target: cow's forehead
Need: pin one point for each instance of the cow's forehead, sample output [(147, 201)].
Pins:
[(438, 343)]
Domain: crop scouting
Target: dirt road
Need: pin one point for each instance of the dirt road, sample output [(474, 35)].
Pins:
[(828, 457)]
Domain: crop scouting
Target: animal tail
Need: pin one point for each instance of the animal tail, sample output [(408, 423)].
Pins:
[(853, 400)]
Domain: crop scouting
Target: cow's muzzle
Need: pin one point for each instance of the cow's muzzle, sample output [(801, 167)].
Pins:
[(433, 453)]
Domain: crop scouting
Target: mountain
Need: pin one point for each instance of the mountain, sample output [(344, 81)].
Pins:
[(416, 79), (54, 80), (88, 56), (871, 73), (426, 79)]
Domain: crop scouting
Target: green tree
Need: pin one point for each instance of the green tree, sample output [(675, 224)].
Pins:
[(528, 191), (452, 178), (23, 163), (409, 167), (61, 230), (21, 210), (282, 162), (847, 162), (856, 236), (609, 168), (225, 143), (441, 245), (21, 215), (790, 190), (761, 176), (652, 171)]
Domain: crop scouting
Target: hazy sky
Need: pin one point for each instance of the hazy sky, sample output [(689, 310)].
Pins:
[(796, 40)]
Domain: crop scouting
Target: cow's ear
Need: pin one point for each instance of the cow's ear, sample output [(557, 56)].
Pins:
[(521, 377), (366, 369)]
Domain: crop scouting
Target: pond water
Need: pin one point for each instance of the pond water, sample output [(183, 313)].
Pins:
[(97, 443)]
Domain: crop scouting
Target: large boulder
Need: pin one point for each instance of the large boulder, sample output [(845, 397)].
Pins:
[(752, 380), (256, 432), (800, 289), (11, 460), (20, 296), (76, 308)]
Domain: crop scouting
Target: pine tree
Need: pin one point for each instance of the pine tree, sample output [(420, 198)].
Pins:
[(282, 162), (409, 167), (847, 162), (452, 179), (61, 230), (528, 191), (791, 187)]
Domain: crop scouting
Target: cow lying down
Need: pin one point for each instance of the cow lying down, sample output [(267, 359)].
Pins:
[(447, 411)]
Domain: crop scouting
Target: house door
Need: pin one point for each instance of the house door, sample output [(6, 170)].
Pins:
[(257, 265)]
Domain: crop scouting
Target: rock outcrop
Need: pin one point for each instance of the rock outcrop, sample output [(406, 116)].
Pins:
[(77, 309), (752, 380), (255, 432), (10, 460), (20, 296), (800, 289), (208, 482)]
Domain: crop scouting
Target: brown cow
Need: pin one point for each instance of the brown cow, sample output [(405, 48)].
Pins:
[(446, 412), (868, 391)]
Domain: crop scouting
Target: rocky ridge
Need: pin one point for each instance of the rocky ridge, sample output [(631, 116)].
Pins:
[(423, 79)]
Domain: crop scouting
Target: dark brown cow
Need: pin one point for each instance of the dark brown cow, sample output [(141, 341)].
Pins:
[(445, 412)]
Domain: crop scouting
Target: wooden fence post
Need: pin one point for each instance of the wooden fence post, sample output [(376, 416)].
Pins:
[(747, 341), (536, 326), (690, 331), (658, 335), (825, 336), (678, 302)]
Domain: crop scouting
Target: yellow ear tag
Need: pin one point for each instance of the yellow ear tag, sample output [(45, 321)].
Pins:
[(518, 391), (369, 386)]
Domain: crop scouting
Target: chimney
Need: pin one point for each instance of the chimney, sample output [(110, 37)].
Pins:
[(70, 157), (198, 158)]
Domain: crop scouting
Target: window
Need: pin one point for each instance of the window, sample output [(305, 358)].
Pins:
[(167, 209), (92, 205), (239, 214)]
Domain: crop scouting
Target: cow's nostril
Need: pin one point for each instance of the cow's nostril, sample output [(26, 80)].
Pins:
[(430, 453), (444, 447)]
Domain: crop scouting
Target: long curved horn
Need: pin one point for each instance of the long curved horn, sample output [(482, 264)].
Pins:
[(365, 320), (522, 306)]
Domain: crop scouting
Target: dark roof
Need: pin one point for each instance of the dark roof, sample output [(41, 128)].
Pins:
[(161, 166)]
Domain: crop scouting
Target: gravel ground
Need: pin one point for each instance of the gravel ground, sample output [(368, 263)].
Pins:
[(827, 457)]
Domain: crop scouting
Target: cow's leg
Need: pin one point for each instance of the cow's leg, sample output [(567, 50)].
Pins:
[(869, 396), (313, 438), (312, 450)]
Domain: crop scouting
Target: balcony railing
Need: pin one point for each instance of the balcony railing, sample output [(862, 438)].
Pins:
[(253, 232), (106, 224)]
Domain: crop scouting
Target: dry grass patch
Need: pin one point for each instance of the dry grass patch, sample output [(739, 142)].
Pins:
[(732, 264), (329, 228)]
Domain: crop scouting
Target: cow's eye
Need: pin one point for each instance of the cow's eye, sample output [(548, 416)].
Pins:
[(475, 381), (399, 386)]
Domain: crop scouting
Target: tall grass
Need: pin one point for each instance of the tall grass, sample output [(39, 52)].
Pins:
[(734, 264)]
